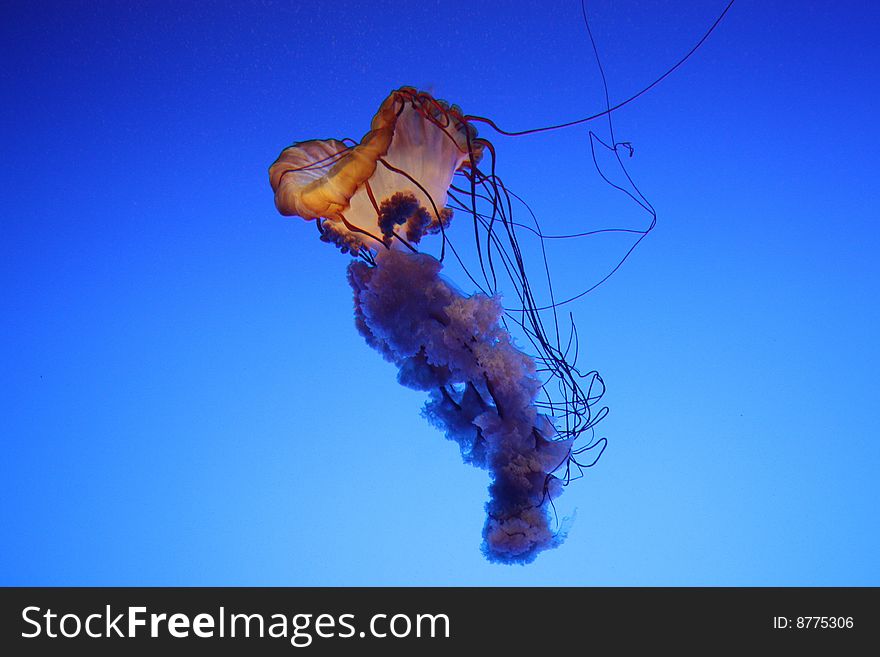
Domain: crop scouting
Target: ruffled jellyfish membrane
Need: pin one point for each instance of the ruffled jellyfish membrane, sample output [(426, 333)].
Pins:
[(517, 415)]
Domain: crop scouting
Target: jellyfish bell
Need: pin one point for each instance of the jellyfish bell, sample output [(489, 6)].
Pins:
[(388, 190)]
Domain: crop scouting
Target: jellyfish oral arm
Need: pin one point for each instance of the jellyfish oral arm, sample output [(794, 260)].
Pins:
[(482, 391)]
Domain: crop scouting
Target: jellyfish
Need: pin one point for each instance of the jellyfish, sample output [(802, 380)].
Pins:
[(500, 373), (516, 414)]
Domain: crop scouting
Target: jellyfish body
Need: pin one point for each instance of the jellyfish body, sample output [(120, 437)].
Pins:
[(377, 199), (393, 182)]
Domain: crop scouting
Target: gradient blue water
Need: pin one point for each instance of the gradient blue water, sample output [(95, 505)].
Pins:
[(185, 399)]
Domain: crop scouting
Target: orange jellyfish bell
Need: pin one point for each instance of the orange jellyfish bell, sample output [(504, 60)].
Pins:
[(388, 190)]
